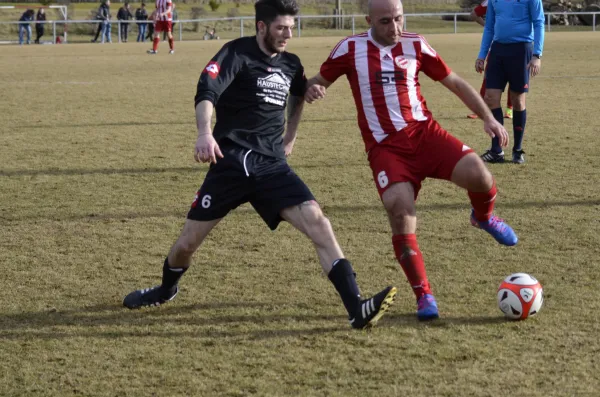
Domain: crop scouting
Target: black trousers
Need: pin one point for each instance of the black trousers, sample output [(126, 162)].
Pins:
[(124, 31), (150, 31), (39, 31), (98, 31)]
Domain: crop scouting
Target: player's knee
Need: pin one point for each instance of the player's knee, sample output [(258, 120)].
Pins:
[(491, 100), (399, 212), (185, 246), (518, 100), (480, 178), (316, 224)]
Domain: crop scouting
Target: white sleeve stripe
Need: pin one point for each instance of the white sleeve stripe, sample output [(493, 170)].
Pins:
[(340, 49), (426, 48)]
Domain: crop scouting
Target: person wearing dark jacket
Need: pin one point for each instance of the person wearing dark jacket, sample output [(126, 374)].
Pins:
[(141, 15), (25, 25), (39, 25), (124, 14), (150, 25)]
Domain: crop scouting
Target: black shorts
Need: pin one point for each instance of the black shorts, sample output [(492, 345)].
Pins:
[(241, 176), (507, 63)]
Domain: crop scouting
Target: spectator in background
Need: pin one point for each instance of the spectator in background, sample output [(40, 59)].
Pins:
[(102, 16), (124, 14), (25, 25), (141, 15), (39, 26), (150, 25), (107, 30)]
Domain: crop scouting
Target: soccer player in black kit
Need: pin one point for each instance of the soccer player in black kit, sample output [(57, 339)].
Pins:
[(248, 82)]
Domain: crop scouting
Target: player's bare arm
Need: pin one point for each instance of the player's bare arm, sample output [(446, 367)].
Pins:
[(294, 113), (206, 149), (473, 100), (316, 88)]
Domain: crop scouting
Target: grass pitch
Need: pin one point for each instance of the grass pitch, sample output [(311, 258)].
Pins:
[(96, 176)]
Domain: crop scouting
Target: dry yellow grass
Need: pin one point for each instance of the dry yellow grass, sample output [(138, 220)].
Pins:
[(96, 175)]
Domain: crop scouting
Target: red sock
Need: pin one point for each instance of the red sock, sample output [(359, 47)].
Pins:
[(483, 203), (155, 43), (410, 258), (171, 43)]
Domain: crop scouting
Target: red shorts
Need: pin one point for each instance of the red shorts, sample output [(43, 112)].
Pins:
[(424, 151), (163, 26)]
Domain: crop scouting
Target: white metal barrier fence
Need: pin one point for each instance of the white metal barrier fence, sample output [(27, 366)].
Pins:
[(313, 25)]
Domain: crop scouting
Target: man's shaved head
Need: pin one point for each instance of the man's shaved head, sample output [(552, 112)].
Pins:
[(378, 5), (386, 18)]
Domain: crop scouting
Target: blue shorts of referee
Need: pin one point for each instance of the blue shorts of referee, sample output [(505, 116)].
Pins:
[(507, 64)]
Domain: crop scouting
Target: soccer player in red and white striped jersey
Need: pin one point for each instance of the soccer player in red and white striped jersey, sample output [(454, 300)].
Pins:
[(477, 15), (404, 143), (163, 22)]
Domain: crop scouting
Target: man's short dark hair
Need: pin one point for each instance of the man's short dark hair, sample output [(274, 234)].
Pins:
[(268, 10)]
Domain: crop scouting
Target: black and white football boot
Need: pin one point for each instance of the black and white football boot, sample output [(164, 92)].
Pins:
[(370, 310)]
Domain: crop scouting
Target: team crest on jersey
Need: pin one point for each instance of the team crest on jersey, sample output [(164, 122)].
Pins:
[(401, 62), (212, 69)]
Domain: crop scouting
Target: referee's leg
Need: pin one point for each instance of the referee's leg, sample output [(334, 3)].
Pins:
[(519, 86), (495, 82)]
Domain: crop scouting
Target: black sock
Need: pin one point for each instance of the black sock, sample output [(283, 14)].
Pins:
[(343, 278), (519, 120), (499, 116), (171, 275)]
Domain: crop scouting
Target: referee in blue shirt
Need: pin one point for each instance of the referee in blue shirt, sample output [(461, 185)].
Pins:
[(514, 29)]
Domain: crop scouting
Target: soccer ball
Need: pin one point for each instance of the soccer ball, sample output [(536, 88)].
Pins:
[(520, 296)]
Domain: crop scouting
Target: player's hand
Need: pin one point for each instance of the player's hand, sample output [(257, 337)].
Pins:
[(494, 129), (480, 65), (534, 66), (207, 150), (288, 146), (314, 93)]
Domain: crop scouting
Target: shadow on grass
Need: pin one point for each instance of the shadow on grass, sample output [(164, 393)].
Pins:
[(189, 122), (330, 210), (249, 321), (104, 124), (410, 319), (256, 321), (153, 170)]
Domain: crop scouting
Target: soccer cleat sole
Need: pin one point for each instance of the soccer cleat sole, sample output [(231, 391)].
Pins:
[(385, 305), (430, 317)]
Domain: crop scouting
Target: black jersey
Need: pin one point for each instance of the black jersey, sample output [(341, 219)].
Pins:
[(249, 90)]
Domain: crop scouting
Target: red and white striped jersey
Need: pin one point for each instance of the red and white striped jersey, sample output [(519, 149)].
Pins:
[(162, 6), (384, 81), (481, 9)]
